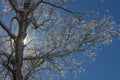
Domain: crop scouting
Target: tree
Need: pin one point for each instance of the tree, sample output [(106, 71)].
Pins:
[(41, 36)]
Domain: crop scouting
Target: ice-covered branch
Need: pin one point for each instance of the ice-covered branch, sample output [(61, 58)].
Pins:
[(33, 7), (59, 7), (7, 30), (14, 4)]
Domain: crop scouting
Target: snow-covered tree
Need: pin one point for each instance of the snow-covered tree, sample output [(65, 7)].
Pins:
[(39, 37)]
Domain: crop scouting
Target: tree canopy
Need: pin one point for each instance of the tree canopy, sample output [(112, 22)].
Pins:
[(39, 37)]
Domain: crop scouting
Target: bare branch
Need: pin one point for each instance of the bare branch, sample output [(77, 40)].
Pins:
[(33, 7), (59, 7), (14, 4), (7, 30), (4, 62), (38, 25)]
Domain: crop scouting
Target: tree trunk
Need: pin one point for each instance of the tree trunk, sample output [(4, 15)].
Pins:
[(14, 76), (19, 45), (19, 48), (19, 58)]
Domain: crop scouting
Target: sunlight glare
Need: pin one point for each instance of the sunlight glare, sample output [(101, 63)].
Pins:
[(25, 41)]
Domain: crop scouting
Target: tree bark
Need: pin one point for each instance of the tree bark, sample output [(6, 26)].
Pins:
[(19, 45), (14, 76)]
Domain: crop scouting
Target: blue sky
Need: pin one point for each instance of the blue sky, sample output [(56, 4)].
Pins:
[(106, 66), (107, 63)]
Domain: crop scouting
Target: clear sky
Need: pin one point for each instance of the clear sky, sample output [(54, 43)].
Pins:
[(107, 63)]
